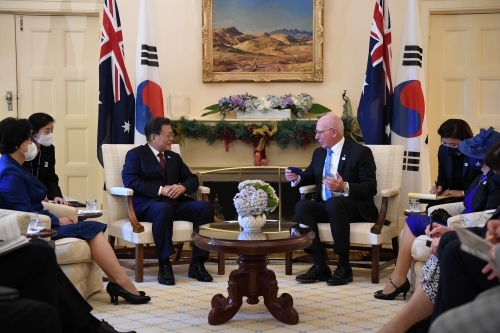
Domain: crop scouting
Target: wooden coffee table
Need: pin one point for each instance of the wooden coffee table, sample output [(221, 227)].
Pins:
[(252, 279), (44, 233), (89, 215)]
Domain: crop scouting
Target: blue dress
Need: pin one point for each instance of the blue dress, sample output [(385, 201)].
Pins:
[(20, 190), (418, 223)]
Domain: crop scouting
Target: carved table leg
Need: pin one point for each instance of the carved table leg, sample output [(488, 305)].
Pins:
[(223, 309), (280, 307), (252, 279)]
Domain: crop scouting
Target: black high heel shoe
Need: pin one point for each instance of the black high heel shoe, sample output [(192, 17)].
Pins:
[(115, 290), (142, 293), (404, 288)]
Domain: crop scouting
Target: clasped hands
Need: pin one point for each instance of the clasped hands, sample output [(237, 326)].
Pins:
[(173, 191)]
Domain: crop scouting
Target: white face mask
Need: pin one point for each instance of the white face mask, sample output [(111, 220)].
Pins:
[(31, 153), (45, 139)]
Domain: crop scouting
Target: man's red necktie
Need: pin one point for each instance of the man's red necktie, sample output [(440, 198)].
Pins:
[(162, 161)]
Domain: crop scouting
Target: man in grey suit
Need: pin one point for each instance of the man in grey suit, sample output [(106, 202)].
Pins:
[(344, 174), (483, 313)]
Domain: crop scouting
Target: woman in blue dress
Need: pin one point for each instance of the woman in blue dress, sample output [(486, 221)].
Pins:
[(482, 194), (20, 190)]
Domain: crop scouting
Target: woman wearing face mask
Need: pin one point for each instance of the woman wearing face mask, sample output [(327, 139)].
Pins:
[(455, 171), (20, 190), (43, 165), (482, 194)]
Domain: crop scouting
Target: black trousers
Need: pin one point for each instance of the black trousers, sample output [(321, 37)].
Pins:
[(33, 270), (163, 214), (26, 315), (339, 211), (460, 279)]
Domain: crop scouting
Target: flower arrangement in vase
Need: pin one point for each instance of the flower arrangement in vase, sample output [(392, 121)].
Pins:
[(252, 202), (245, 103)]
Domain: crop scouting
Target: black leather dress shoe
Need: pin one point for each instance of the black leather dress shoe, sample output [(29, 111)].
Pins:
[(315, 273), (107, 328), (197, 270), (166, 275), (340, 277)]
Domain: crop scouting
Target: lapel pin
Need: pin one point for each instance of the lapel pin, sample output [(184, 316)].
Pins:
[(466, 164), (343, 158), (46, 164), (168, 156)]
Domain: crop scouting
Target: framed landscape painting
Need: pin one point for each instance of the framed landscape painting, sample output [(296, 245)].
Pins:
[(262, 40)]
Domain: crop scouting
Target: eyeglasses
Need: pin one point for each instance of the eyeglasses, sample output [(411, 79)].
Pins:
[(321, 132), (169, 135)]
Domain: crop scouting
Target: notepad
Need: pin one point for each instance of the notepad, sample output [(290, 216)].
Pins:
[(473, 244), (425, 196)]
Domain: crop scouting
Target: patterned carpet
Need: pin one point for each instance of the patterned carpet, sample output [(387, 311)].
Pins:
[(185, 306)]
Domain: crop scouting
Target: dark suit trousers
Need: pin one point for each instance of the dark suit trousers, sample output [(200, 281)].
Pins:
[(339, 211), (460, 279), (163, 214), (33, 270), (26, 315)]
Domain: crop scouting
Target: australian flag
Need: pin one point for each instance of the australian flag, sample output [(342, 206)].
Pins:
[(374, 111), (116, 97)]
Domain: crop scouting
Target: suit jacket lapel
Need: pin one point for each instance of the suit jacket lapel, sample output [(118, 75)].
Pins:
[(346, 149), (153, 160)]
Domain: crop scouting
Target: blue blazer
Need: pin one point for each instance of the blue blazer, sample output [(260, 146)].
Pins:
[(20, 190), (357, 167), (143, 174)]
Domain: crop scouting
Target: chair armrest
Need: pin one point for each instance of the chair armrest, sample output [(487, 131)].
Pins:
[(453, 208), (122, 191), (390, 192), (307, 189), (61, 210), (203, 190), (476, 219)]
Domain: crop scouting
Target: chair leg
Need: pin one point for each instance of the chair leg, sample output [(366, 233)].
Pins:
[(395, 246), (111, 240), (221, 263), (178, 251), (139, 262), (288, 263), (376, 263)]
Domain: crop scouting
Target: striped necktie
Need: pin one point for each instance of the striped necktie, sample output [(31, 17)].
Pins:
[(328, 161)]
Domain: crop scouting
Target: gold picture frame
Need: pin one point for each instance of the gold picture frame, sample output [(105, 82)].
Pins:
[(241, 62)]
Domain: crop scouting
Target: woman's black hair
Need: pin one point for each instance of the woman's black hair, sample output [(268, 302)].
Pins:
[(456, 129), (13, 132), (492, 158), (39, 120)]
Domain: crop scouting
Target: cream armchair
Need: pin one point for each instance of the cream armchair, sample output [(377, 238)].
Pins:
[(369, 235), (73, 254), (421, 252), (123, 224)]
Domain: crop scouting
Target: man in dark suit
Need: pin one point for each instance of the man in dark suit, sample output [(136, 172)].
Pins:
[(344, 174), (160, 179)]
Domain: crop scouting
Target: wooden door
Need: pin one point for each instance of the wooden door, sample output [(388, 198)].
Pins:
[(464, 73), (57, 73)]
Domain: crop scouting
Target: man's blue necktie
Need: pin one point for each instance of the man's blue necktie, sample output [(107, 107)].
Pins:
[(328, 161)]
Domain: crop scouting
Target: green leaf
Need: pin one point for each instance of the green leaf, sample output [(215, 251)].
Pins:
[(318, 109), (215, 109)]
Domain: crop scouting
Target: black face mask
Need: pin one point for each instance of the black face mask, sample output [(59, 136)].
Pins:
[(452, 151), (496, 180)]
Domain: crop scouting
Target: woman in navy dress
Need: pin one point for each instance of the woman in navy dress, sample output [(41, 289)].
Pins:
[(483, 194), (20, 190), (43, 165), (455, 170)]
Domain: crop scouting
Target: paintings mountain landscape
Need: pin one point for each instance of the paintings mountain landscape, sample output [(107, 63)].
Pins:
[(288, 50)]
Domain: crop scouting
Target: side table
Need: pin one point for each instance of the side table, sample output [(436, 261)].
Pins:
[(44, 233)]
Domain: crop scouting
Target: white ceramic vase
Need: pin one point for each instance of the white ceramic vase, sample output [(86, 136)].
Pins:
[(252, 235), (251, 222)]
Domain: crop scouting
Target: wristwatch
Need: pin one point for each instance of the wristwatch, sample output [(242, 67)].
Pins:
[(345, 193)]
